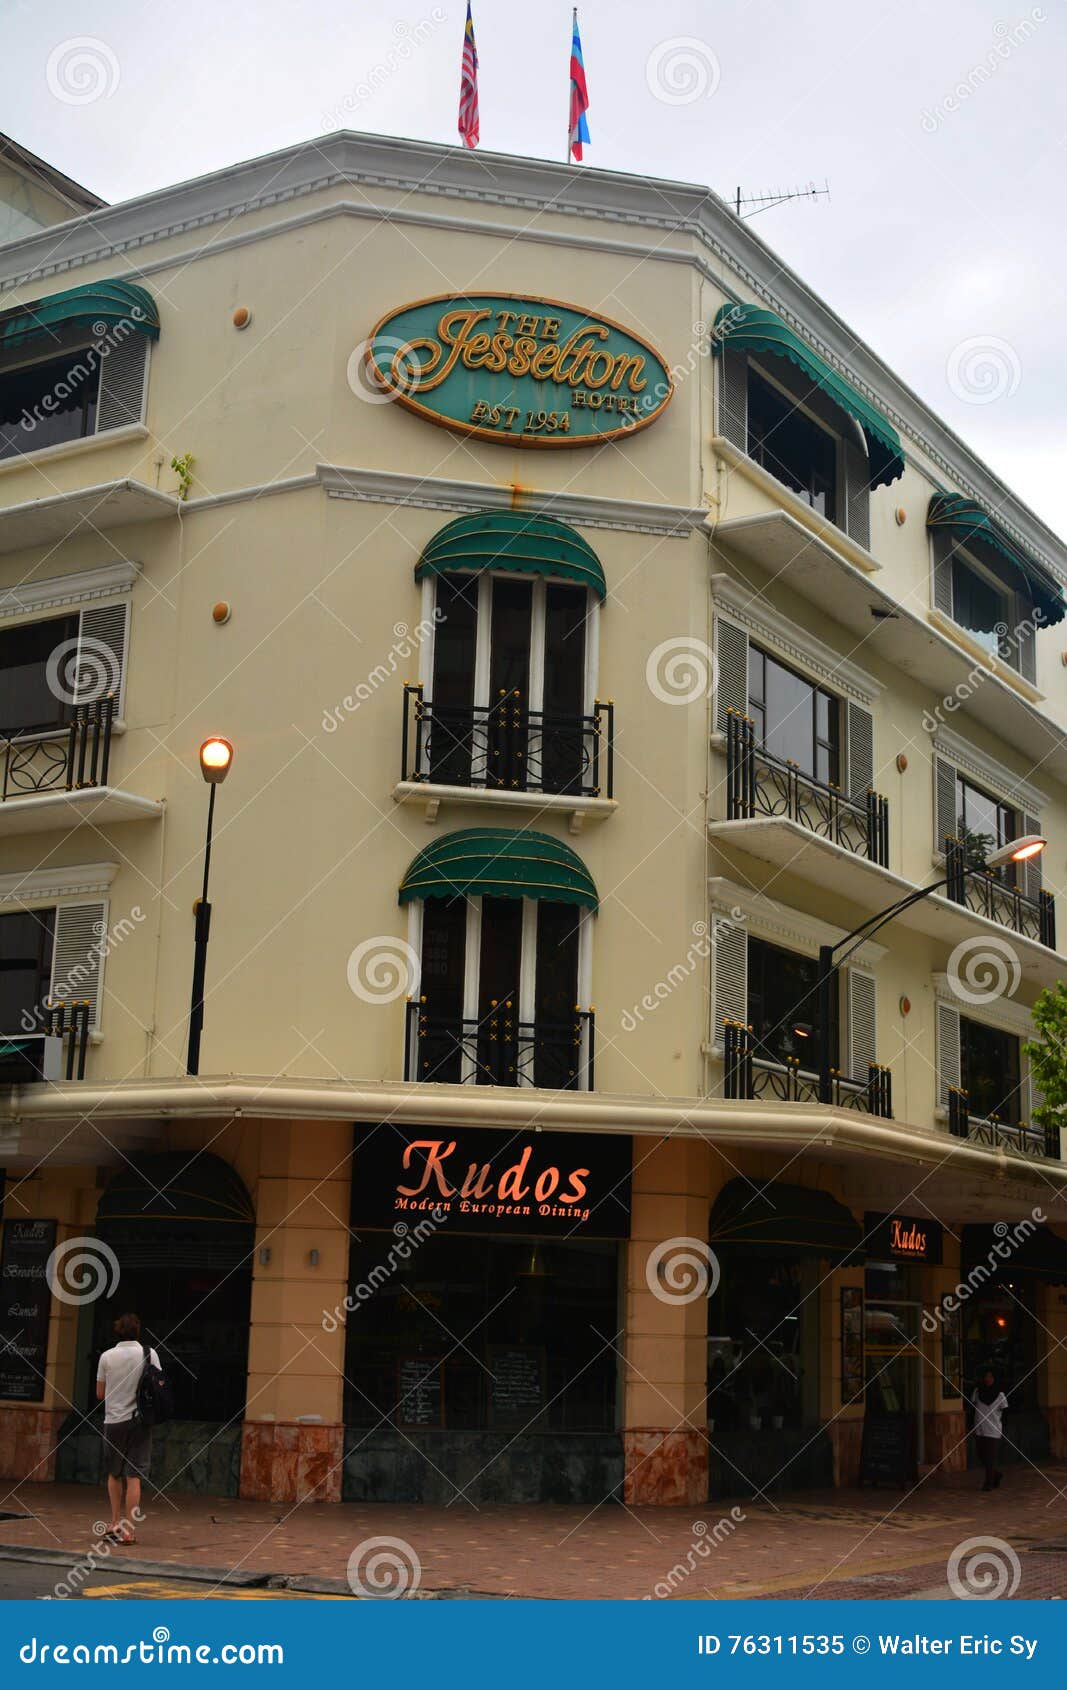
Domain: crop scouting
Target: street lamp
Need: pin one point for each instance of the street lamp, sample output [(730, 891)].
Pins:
[(216, 755), (1019, 850)]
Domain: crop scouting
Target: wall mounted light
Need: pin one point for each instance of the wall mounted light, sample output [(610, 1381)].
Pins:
[(313, 1258), (264, 1254)]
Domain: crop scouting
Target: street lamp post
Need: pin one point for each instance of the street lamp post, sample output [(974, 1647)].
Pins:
[(216, 755), (1016, 851)]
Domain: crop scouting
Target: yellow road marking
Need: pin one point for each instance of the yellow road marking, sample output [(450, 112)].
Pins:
[(179, 1590)]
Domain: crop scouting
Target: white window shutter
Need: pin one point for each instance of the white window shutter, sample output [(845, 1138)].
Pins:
[(857, 513), (733, 395), (948, 1052), (941, 564), (860, 749), (123, 373), (102, 641), (731, 671), (729, 954), (77, 956), (944, 803), (862, 1023)]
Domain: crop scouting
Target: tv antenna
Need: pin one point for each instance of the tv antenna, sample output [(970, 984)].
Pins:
[(763, 202)]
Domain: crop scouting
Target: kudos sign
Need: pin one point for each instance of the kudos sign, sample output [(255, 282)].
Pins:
[(572, 1184), (902, 1238)]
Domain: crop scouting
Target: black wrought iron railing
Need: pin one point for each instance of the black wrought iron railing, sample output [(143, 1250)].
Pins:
[(997, 1134), (61, 759), (498, 1049), (748, 1076), (506, 747), (986, 893), (54, 1050), (758, 784)]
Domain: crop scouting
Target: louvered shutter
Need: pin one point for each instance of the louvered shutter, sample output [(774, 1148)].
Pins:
[(122, 383), (860, 748), (941, 553), (77, 959), (731, 680), (729, 953), (733, 396), (1026, 652), (944, 802), (102, 653), (1031, 876), (862, 1023), (948, 1051), (857, 513)]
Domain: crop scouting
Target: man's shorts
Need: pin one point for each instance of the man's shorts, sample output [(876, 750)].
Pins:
[(127, 1449)]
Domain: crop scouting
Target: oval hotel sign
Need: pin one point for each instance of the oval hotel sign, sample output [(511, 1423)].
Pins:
[(529, 372)]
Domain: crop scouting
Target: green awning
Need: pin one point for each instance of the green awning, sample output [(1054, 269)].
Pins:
[(177, 1186), (969, 523), (757, 330), (776, 1219), (513, 540), (108, 303), (501, 864)]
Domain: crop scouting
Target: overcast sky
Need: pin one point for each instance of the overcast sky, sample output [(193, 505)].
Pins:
[(940, 125)]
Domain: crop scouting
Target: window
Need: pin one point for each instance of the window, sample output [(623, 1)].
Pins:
[(783, 1006), (26, 944), (763, 1343), (31, 699), (795, 721), (990, 1072), (982, 605), (49, 400), (788, 442), (984, 823)]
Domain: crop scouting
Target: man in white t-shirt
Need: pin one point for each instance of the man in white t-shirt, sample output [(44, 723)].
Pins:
[(127, 1441)]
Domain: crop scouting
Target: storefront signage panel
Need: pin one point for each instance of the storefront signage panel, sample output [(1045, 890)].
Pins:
[(526, 372), (553, 1185), (902, 1238), (25, 1307)]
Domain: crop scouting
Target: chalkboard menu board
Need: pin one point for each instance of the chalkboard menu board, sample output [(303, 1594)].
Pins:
[(888, 1452), (517, 1390), (419, 1393), (25, 1306)]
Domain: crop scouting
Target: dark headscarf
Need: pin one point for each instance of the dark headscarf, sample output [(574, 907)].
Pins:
[(988, 1393)]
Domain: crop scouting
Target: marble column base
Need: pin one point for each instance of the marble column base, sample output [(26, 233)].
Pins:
[(664, 1468), (291, 1462), (846, 1437), (29, 1438), (946, 1441)]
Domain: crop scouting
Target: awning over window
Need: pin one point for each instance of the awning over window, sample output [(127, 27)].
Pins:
[(501, 864), (513, 540), (758, 330), (180, 1187), (776, 1218), (109, 303), (1042, 1253), (968, 523)]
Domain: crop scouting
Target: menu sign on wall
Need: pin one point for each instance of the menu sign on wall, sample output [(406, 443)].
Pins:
[(545, 1184), (25, 1307), (902, 1238), (527, 372)]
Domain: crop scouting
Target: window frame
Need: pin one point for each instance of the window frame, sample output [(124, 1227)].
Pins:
[(837, 1029), (834, 746), (988, 1029), (836, 515), (1008, 873), (46, 973)]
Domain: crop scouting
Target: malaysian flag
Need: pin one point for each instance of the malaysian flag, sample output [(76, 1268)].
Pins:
[(579, 95), (468, 86)]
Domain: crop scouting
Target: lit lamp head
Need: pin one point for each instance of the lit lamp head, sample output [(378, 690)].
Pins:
[(1017, 850), (216, 755)]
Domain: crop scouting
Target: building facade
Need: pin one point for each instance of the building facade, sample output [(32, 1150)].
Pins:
[(600, 629)]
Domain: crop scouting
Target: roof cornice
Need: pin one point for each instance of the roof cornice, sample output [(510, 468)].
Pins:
[(736, 257)]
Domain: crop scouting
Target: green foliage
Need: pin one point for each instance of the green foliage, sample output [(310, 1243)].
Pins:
[(1048, 1060), (183, 469), (976, 846)]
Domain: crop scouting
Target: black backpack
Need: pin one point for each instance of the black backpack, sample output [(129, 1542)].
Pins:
[(155, 1399)]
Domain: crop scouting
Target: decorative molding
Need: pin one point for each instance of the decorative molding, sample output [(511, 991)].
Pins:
[(994, 1012), (69, 448), (79, 588), (50, 885), (256, 490), (766, 916), (974, 761), (390, 487), (802, 648), (410, 168)]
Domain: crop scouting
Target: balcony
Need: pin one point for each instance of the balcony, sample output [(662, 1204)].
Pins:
[(499, 1050), (759, 785), (55, 1052), (506, 754), (747, 1077), (1020, 1139), (984, 892), (55, 778)]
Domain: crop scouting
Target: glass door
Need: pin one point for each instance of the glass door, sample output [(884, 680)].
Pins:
[(894, 1363)]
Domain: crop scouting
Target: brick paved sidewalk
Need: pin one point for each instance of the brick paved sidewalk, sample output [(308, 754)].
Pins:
[(829, 1543)]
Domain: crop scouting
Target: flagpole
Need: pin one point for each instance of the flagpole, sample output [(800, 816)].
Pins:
[(567, 154)]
